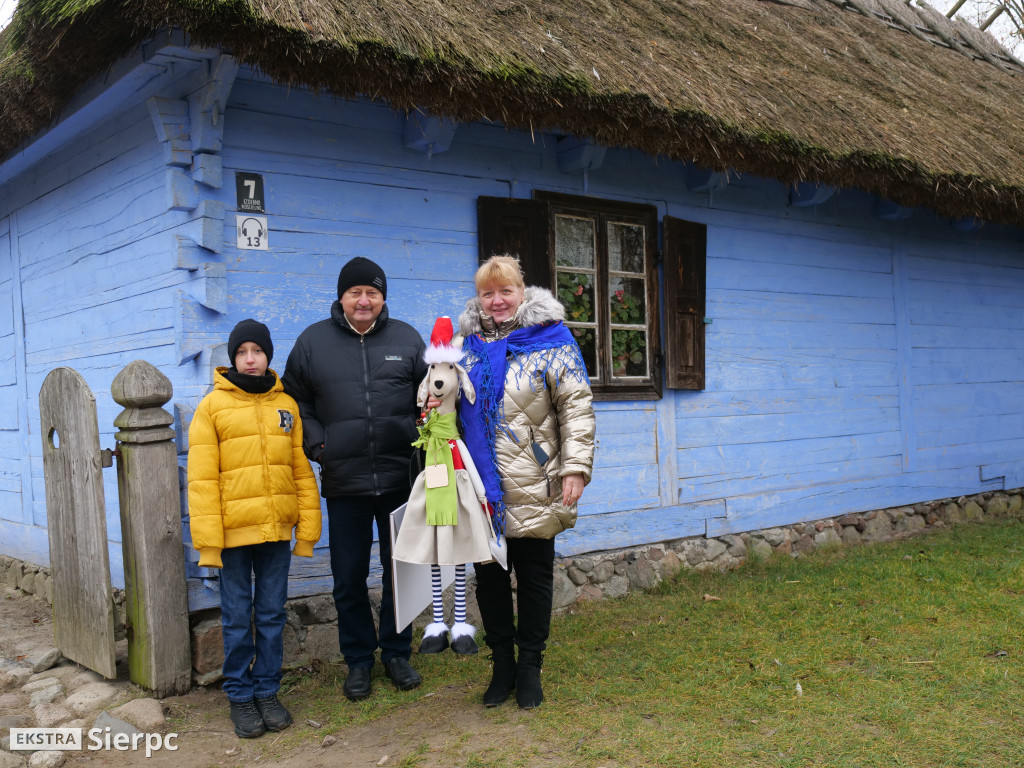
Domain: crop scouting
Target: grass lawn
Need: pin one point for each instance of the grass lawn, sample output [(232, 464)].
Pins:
[(902, 654)]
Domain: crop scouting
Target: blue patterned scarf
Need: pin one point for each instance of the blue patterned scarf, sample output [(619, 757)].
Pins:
[(488, 363)]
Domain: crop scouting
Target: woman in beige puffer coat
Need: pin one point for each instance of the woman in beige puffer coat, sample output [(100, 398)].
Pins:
[(531, 434)]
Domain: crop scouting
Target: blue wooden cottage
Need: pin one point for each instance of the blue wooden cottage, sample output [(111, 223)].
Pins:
[(788, 234)]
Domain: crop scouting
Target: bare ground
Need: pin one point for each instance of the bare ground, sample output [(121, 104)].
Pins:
[(446, 719)]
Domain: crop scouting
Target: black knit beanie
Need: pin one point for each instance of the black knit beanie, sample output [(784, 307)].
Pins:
[(360, 271), (250, 330)]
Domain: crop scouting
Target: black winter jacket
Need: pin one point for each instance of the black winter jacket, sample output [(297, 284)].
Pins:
[(357, 398)]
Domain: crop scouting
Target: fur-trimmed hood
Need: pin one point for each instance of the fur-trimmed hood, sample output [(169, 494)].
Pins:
[(539, 306)]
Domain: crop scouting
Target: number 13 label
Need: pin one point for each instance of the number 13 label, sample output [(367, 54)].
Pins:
[(252, 232)]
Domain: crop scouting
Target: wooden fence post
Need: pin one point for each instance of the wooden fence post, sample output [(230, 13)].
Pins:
[(159, 654)]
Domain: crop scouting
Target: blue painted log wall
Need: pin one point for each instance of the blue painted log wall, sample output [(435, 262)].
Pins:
[(852, 363)]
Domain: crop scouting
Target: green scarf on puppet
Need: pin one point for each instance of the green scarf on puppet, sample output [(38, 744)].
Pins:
[(443, 502)]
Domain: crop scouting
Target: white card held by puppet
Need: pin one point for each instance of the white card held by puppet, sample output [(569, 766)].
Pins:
[(446, 522)]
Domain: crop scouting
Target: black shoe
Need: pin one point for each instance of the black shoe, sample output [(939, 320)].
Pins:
[(434, 644), (465, 645), (402, 675), (357, 684), (247, 719), (503, 676), (529, 693), (274, 715)]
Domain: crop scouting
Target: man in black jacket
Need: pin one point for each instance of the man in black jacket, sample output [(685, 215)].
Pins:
[(354, 376)]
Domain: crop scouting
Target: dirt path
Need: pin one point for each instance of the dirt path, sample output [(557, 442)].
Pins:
[(411, 735), (419, 729)]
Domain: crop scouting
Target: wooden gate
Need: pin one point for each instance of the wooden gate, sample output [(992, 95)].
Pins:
[(83, 613)]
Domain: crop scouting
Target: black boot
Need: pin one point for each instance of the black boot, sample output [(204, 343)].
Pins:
[(503, 676), (528, 690)]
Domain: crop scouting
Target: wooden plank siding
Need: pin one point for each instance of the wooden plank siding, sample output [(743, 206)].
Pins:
[(850, 363), (91, 279), (10, 459), (967, 360)]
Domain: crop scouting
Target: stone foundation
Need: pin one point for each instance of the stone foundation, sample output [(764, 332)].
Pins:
[(312, 628)]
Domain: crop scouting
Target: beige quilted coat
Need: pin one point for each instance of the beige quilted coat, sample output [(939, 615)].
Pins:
[(560, 418)]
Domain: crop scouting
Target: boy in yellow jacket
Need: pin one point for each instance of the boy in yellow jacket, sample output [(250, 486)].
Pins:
[(249, 486)]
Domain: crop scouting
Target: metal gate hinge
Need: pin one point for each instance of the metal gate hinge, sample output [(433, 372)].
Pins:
[(107, 457)]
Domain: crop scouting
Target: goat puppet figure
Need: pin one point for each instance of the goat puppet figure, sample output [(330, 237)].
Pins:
[(446, 522)]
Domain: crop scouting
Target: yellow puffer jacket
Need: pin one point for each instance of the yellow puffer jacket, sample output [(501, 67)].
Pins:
[(248, 480)]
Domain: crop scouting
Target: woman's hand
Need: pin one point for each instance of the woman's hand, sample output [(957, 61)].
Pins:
[(572, 489), (432, 402)]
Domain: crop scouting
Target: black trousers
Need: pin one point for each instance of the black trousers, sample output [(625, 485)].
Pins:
[(351, 520), (533, 561)]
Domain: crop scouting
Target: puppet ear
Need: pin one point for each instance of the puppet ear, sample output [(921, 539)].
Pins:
[(421, 393), (468, 391)]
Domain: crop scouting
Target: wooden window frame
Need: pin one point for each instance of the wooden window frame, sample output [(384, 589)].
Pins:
[(603, 211), (525, 228)]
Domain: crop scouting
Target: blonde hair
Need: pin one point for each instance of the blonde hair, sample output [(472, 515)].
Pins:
[(500, 269)]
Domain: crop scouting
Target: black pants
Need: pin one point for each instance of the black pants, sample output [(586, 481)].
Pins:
[(533, 561), (351, 520)]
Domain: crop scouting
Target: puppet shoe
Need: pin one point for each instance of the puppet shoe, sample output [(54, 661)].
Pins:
[(435, 638), (462, 639)]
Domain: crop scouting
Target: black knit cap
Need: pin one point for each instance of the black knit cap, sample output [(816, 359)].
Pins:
[(360, 271), (250, 330)]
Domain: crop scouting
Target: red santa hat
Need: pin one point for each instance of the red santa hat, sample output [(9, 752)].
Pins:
[(441, 349)]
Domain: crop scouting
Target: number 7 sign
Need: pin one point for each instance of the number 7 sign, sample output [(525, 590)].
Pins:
[(249, 191)]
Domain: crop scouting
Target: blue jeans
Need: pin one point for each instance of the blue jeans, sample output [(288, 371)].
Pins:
[(246, 614), (350, 520)]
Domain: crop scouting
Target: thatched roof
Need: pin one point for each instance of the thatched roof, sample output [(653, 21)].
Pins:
[(873, 94)]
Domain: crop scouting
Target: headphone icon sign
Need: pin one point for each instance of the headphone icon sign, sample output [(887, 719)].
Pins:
[(252, 228)]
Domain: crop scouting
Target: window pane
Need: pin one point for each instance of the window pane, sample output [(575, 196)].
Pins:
[(588, 346), (629, 353), (601, 257), (626, 297), (576, 292), (574, 242), (626, 247)]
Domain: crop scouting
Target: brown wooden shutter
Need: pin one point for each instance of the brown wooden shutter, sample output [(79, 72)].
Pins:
[(517, 227), (685, 265)]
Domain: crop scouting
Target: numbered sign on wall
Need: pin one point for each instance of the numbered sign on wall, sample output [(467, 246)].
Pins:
[(249, 191), (252, 232)]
